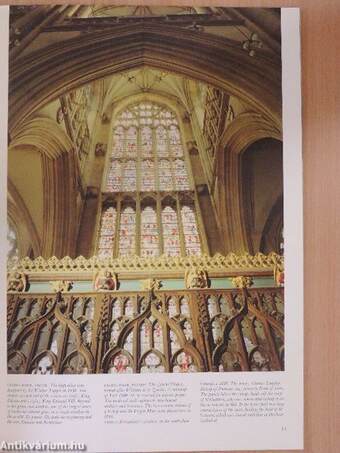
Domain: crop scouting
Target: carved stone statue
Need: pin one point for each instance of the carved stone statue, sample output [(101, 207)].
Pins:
[(196, 278), (17, 282), (105, 280), (61, 286)]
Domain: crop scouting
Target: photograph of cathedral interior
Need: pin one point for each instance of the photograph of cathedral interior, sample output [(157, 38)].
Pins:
[(145, 190)]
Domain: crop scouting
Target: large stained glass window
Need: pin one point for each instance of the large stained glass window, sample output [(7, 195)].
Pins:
[(147, 162)]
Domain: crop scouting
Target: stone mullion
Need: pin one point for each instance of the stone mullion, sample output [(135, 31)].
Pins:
[(159, 224), (171, 161), (187, 164), (180, 226), (138, 225), (117, 229), (155, 160), (138, 159), (158, 194)]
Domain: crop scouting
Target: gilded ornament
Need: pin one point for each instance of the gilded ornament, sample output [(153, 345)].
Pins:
[(231, 262), (61, 286), (17, 282), (242, 282), (279, 275), (196, 277), (105, 280), (151, 284)]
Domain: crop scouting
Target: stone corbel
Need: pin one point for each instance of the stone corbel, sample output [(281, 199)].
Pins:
[(92, 192), (192, 148), (100, 149)]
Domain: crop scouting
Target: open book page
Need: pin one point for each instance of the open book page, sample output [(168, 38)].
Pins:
[(153, 261)]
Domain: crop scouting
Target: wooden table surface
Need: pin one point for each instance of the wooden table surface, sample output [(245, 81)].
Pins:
[(321, 150)]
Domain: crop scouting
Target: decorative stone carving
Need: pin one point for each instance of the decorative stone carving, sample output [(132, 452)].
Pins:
[(252, 45), (192, 148), (229, 263), (61, 286), (242, 282), (17, 282), (196, 277), (105, 280), (151, 284), (100, 149)]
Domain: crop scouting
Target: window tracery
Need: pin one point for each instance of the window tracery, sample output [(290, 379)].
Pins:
[(148, 160)]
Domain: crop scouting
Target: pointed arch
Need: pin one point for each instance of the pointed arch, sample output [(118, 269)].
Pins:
[(60, 175)]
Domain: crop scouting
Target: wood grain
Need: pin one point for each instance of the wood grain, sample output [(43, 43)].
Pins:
[(321, 150)]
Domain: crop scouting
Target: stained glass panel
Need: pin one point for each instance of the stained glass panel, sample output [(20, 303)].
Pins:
[(120, 364), (181, 175), (129, 181), (149, 234), (170, 232), (131, 142), (146, 141), (165, 177), (147, 156), (127, 232), (191, 237), (114, 179), (118, 142), (107, 231), (148, 176), (184, 363), (161, 142), (175, 142)]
